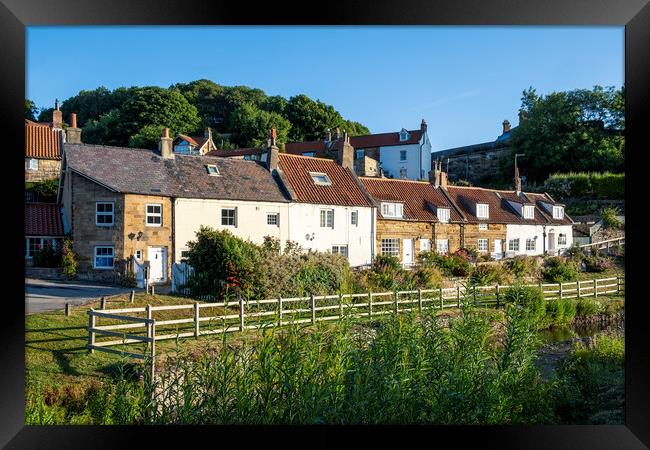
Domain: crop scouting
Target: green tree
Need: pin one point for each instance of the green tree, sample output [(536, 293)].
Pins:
[(30, 109), (253, 125), (208, 99), (310, 118), (581, 129)]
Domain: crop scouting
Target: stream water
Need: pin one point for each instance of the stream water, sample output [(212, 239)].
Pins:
[(557, 342)]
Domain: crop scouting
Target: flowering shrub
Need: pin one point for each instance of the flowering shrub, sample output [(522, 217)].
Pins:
[(557, 269)]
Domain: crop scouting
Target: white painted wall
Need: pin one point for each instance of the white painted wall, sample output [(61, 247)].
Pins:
[(524, 232), (190, 214), (418, 159), (304, 220)]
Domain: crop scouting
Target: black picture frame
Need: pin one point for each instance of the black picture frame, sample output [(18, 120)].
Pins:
[(15, 15)]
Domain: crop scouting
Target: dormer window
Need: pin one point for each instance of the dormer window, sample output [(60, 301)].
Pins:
[(392, 210), (482, 211), (529, 212), (443, 215), (212, 169), (320, 179), (558, 212), (403, 135)]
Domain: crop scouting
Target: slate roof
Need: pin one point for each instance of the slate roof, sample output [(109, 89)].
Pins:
[(419, 198), (140, 171), (41, 141), (235, 152), (343, 191), (43, 219)]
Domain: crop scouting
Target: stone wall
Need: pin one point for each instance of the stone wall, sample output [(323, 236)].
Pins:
[(471, 234), (476, 167), (403, 229), (47, 169)]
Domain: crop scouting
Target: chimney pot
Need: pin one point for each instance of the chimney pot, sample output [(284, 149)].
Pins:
[(165, 145), (73, 120), (165, 132), (73, 134)]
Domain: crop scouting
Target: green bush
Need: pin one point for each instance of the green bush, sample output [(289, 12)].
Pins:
[(529, 298), (69, 259), (487, 274), (597, 263), (456, 265), (47, 256), (586, 185), (570, 310), (558, 269), (586, 307), (554, 312), (521, 266), (42, 191), (610, 219)]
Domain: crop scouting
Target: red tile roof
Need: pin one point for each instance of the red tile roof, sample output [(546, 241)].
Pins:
[(235, 152), (298, 148), (41, 141), (467, 197), (189, 139), (43, 219), (384, 139), (418, 197), (539, 198), (343, 191)]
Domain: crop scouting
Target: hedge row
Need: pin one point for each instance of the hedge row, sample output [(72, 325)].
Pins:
[(604, 185)]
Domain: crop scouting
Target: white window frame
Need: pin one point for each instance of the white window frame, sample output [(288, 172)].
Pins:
[(354, 218), (95, 256), (443, 214), (531, 244), (480, 209), (337, 249), (513, 245), (327, 218), (234, 225), (425, 245), (148, 214), (213, 170), (405, 158), (483, 226), (442, 246), (41, 243), (276, 217), (320, 179), (482, 248), (32, 164), (392, 210), (528, 211), (390, 247), (561, 239), (558, 212), (104, 213)]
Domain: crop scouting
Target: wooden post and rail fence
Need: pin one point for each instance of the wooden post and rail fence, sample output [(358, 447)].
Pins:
[(242, 314), (606, 245)]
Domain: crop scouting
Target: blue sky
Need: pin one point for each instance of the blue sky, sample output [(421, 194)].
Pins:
[(463, 80)]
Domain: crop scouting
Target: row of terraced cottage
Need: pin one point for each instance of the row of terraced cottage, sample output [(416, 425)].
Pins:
[(123, 203)]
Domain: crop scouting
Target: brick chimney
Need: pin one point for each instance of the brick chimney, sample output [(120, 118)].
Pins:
[(345, 152), (506, 126), (73, 134), (273, 158), (437, 177), (57, 117), (423, 126), (165, 145)]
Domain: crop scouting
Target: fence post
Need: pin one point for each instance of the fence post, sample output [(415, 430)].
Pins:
[(560, 290), (340, 306), (280, 311), (395, 307), (474, 294), (103, 303), (91, 326), (595, 288), (241, 311), (419, 299), (458, 296), (67, 309), (312, 300), (497, 294), (541, 288), (618, 285), (149, 316), (153, 293), (132, 296), (441, 300), (196, 319), (153, 348), (369, 303), (578, 283)]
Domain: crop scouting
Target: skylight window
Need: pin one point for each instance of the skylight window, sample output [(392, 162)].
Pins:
[(320, 179), (212, 169)]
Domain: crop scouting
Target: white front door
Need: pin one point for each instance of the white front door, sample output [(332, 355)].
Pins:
[(551, 242), (497, 248), (407, 253), (157, 264)]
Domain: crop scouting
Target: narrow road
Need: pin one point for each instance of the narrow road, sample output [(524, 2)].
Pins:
[(51, 295)]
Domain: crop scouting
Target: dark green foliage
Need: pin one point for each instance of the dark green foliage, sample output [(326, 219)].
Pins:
[(557, 269), (582, 129), (592, 185), (457, 264), (522, 266), (596, 263), (30, 110), (253, 125), (529, 299), (590, 385), (42, 191), (47, 256), (586, 307), (610, 219), (488, 274), (68, 259)]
